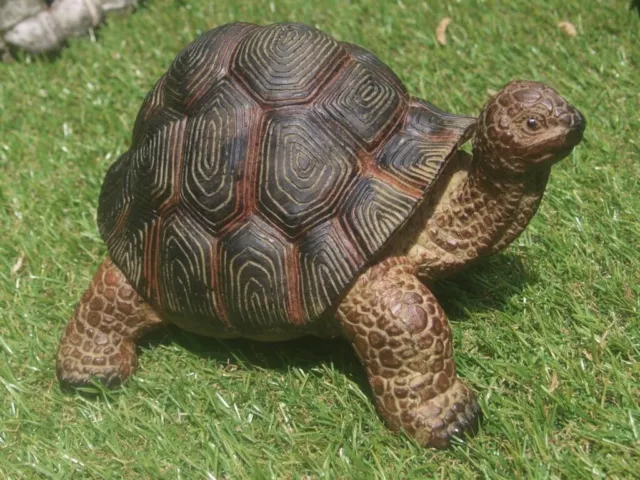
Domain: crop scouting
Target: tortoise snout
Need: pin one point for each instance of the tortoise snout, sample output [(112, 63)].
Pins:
[(579, 122), (575, 123)]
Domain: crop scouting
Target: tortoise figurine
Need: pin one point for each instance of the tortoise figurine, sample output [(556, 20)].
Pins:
[(281, 183)]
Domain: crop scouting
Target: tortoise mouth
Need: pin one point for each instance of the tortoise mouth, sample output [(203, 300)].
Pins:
[(563, 145), (553, 156)]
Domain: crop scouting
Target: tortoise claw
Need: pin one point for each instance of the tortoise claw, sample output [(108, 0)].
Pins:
[(462, 420)]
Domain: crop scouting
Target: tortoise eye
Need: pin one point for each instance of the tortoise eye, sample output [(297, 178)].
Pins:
[(532, 124)]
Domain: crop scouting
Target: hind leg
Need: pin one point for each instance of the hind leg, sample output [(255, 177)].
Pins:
[(404, 342), (99, 341)]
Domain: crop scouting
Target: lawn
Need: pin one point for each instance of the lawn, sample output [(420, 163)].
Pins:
[(547, 333)]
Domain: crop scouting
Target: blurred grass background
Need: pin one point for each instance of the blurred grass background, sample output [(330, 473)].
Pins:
[(547, 333)]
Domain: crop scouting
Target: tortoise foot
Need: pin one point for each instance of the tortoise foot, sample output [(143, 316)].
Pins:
[(453, 413), (81, 365), (99, 341)]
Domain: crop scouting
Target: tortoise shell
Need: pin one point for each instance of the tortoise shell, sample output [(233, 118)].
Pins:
[(268, 167)]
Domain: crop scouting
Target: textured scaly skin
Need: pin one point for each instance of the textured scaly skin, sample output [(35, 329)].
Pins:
[(471, 215), (99, 341), (403, 339)]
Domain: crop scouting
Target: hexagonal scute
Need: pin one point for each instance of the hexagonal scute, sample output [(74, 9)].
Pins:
[(374, 211), (364, 102), (157, 119), (216, 151), (135, 191), (417, 155), (126, 250), (304, 171), (184, 261), (328, 264), (129, 245), (201, 64), (151, 104), (116, 195), (283, 64), (428, 121), (253, 276), (155, 164), (412, 160), (367, 58)]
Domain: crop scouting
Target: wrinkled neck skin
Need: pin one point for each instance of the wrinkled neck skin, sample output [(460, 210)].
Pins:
[(472, 212)]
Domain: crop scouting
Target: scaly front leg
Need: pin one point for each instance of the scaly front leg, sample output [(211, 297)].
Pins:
[(403, 339)]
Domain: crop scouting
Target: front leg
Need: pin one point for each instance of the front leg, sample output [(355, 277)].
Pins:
[(99, 341), (403, 339)]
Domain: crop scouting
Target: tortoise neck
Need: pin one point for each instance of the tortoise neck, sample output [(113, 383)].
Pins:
[(520, 197), (476, 216), (506, 204)]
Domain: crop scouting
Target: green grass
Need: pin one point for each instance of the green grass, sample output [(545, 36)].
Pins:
[(547, 333)]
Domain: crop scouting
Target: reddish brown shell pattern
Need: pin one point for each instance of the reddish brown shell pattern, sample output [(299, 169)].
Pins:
[(268, 167)]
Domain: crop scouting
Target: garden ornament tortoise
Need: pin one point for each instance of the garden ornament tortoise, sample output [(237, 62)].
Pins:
[(281, 183)]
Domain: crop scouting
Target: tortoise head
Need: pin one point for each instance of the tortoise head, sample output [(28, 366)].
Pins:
[(525, 126)]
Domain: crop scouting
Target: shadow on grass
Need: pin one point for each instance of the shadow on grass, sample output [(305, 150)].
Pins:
[(635, 5), (489, 286), (11, 54)]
